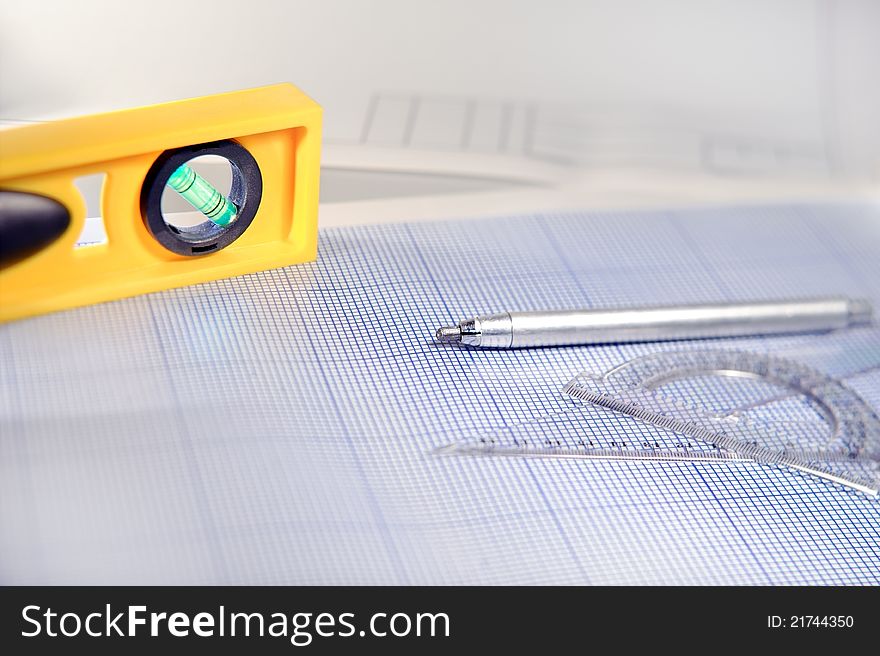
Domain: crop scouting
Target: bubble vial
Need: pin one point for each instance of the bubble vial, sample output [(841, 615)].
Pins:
[(202, 195)]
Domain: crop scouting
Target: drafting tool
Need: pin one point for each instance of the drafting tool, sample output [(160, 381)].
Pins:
[(271, 138), (849, 454), (650, 324)]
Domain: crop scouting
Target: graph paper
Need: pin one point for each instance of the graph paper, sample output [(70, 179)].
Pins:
[(280, 428)]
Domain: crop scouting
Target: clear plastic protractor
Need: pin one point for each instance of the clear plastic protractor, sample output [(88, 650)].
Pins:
[(848, 455)]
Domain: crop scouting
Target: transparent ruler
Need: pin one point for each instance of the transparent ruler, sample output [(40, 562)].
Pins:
[(843, 447)]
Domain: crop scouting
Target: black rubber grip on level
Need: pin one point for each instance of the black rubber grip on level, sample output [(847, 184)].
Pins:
[(28, 224)]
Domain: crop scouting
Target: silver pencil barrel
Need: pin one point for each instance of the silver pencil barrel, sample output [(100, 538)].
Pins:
[(646, 324)]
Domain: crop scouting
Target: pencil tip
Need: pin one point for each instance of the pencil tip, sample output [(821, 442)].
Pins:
[(448, 334)]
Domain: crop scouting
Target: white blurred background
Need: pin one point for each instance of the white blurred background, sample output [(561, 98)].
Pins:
[(490, 106)]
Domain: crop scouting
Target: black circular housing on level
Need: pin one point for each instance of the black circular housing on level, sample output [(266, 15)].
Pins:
[(206, 237)]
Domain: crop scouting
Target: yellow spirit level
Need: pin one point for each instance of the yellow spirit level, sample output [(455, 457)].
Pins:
[(271, 137)]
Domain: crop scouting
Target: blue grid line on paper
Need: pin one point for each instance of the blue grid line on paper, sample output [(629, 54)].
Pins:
[(279, 427)]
